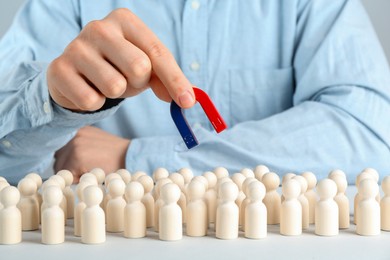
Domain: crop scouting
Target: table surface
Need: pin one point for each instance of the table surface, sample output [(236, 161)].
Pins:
[(346, 245)]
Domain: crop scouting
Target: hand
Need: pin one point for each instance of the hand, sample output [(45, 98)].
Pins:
[(116, 57), (91, 148)]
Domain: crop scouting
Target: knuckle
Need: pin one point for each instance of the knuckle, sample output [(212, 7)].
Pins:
[(115, 87), (97, 30), (90, 102), (157, 50), (58, 66), (122, 13), (141, 67)]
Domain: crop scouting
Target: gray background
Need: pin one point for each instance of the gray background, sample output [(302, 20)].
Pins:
[(377, 9)]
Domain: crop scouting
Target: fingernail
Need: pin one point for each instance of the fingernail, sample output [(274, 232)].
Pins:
[(186, 99)]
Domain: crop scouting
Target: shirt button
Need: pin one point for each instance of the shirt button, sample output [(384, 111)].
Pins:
[(6, 143), (195, 66), (46, 107), (195, 5)]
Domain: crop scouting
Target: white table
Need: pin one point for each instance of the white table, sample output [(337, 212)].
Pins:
[(347, 245)]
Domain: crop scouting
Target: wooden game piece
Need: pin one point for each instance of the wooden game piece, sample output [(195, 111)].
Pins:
[(335, 173), (310, 194), (363, 175), (368, 221), (285, 178), (28, 204), (2, 179), (3, 185), (375, 175), (125, 174), (106, 195), (159, 201), (38, 181), (291, 209), (170, 227), (259, 171), (89, 177), (221, 172), (115, 206), (342, 200), (211, 196), (178, 179), (93, 224), (68, 192), (247, 172), (327, 211), (137, 175), (256, 212), (99, 174), (160, 173), (196, 209), (135, 212), (272, 198), (227, 212), (245, 185), (147, 199), (187, 174), (303, 200), (238, 179), (385, 204), (78, 210), (64, 203), (10, 216), (53, 230)]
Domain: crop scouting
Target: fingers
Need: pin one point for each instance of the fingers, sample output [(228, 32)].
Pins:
[(163, 62), (70, 89)]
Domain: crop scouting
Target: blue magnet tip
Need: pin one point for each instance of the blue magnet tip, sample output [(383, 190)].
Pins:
[(182, 125)]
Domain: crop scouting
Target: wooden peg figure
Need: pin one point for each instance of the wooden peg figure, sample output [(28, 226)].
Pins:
[(93, 219), (221, 172), (247, 172), (245, 185), (303, 200), (38, 181), (3, 185), (342, 200), (362, 176), (53, 230), (327, 211), (135, 212), (147, 199), (187, 174), (62, 184), (178, 179), (256, 212), (170, 227), (115, 206), (368, 221), (137, 175), (238, 179), (259, 171), (160, 173), (28, 204), (272, 198), (310, 194), (196, 209), (68, 192), (159, 202), (385, 204), (291, 209), (125, 174), (100, 175), (78, 210), (211, 196), (227, 212), (10, 216)]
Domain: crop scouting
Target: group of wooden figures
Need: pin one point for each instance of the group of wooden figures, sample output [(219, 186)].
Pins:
[(132, 203)]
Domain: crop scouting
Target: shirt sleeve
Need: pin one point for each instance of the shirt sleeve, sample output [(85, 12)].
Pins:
[(33, 127), (340, 113)]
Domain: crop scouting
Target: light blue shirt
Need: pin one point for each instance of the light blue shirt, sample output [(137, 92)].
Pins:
[(303, 85)]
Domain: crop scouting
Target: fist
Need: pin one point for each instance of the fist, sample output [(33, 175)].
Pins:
[(116, 57)]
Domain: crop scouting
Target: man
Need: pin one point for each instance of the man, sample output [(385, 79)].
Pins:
[(303, 85)]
